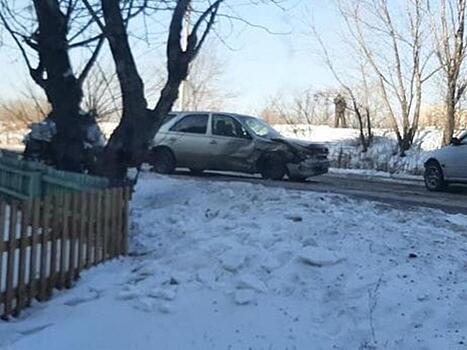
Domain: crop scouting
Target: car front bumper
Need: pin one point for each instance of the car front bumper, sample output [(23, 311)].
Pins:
[(308, 168)]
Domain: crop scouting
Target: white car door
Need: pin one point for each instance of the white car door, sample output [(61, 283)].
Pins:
[(457, 160), (232, 146), (189, 141)]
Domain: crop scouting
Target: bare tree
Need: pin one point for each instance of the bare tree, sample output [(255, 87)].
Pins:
[(301, 108), (45, 32), (101, 94), (17, 114), (449, 32), (51, 40), (203, 89), (400, 61), (357, 107), (129, 142), (297, 109)]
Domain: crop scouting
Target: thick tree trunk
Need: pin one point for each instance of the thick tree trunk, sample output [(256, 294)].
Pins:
[(60, 85), (450, 115), (127, 145)]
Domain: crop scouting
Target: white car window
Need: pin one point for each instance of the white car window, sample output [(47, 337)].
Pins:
[(224, 125), (192, 124)]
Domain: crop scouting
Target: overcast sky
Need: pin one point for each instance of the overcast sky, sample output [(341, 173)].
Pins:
[(259, 63)]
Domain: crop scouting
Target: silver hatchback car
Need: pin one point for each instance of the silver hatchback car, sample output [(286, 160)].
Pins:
[(447, 165), (232, 142)]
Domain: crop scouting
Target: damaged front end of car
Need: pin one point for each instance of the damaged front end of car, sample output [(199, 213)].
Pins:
[(304, 159)]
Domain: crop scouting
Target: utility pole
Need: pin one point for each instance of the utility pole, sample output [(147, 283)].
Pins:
[(182, 94)]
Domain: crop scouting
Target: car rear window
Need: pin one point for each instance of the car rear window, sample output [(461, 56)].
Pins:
[(193, 124)]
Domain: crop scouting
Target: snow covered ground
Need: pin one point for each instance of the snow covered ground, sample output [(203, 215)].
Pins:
[(243, 266)]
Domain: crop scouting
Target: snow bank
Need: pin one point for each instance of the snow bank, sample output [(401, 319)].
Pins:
[(242, 266), (345, 151)]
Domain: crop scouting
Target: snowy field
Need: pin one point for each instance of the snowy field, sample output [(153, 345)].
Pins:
[(242, 266)]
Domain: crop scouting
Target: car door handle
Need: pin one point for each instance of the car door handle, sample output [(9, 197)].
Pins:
[(213, 142)]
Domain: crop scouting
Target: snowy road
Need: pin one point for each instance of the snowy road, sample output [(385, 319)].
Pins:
[(401, 193)]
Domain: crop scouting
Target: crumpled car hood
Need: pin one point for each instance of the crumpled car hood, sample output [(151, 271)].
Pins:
[(302, 143)]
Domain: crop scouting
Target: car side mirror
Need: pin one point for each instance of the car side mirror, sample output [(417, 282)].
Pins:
[(455, 141)]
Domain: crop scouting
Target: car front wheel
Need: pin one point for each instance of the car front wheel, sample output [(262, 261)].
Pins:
[(434, 178), (163, 161), (272, 167)]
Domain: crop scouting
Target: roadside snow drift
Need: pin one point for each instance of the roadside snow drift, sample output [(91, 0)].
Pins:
[(242, 266)]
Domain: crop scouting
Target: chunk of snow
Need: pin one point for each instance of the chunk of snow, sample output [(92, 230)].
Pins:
[(165, 308), (244, 296), (233, 260), (163, 293), (250, 281), (458, 219), (318, 256)]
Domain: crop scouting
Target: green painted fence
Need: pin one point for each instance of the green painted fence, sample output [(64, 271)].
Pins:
[(22, 179)]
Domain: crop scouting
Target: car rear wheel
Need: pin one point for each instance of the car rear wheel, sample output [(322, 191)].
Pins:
[(297, 178), (163, 161), (434, 178), (272, 167)]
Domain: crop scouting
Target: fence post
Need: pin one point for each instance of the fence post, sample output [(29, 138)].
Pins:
[(91, 214), (63, 241), (54, 234), (36, 211), (105, 226), (2, 244), (118, 220), (72, 240), (45, 247), (125, 223), (25, 210), (98, 254), (113, 234), (10, 269), (82, 229)]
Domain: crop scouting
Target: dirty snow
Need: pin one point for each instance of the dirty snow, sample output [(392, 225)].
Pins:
[(242, 266)]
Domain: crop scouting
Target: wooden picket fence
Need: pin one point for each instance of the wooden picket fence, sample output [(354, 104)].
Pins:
[(46, 242)]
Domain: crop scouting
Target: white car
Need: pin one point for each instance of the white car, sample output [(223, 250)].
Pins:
[(233, 142), (447, 165)]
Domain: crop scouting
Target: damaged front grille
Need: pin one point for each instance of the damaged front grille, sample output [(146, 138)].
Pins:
[(318, 152)]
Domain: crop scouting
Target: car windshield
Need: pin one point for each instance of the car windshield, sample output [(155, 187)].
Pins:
[(260, 127)]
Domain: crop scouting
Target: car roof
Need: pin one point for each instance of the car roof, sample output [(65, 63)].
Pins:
[(220, 112)]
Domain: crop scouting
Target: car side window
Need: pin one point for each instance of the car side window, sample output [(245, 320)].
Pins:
[(192, 124), (168, 118), (224, 125)]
